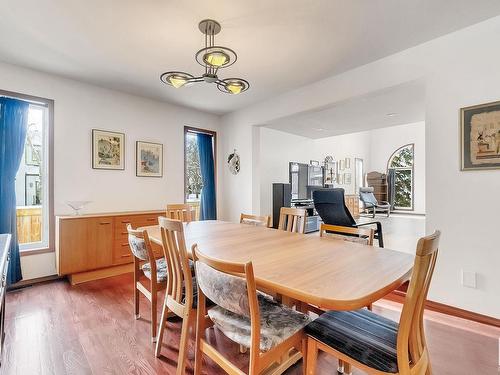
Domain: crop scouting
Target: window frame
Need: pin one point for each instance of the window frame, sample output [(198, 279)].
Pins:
[(412, 171), (194, 130), (49, 217)]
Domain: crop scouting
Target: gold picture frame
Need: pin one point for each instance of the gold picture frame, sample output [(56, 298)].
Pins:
[(480, 137), (108, 150)]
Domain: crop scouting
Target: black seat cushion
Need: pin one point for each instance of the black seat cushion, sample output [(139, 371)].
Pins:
[(362, 335)]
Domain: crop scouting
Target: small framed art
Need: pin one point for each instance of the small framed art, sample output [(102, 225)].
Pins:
[(108, 150), (149, 159)]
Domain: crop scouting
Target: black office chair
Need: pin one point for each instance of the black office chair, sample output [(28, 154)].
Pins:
[(330, 205)]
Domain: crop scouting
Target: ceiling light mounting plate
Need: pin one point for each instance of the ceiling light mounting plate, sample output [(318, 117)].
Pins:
[(209, 27)]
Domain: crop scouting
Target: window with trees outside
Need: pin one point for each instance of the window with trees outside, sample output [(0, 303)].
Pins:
[(402, 162), (193, 181), (32, 182)]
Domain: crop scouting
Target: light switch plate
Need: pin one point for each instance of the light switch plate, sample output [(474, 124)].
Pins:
[(469, 279)]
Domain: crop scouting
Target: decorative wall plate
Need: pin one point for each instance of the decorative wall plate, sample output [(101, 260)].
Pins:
[(233, 163)]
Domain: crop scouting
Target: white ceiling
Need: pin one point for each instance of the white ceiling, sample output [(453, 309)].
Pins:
[(398, 105), (281, 44)]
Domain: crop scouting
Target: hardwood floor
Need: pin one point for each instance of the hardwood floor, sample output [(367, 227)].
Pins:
[(53, 328)]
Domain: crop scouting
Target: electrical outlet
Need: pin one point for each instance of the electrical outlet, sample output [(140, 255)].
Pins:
[(469, 279)]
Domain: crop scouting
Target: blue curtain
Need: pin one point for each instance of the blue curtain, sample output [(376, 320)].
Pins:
[(208, 210), (13, 125)]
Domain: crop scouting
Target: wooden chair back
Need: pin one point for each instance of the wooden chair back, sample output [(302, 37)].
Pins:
[(179, 293), (141, 248), (181, 211), (264, 221), (358, 235), (215, 278), (413, 355), (292, 219)]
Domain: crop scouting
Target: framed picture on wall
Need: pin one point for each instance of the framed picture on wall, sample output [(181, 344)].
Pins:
[(480, 136), (347, 178), (108, 150), (347, 163), (149, 159), (340, 178)]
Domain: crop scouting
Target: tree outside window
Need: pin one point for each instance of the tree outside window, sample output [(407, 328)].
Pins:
[(402, 162), (194, 182)]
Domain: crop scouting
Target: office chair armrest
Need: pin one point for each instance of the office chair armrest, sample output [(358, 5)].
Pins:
[(378, 231), (377, 223)]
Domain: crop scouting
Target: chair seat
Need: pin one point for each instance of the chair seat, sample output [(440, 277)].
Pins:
[(362, 335), (161, 270), (277, 323)]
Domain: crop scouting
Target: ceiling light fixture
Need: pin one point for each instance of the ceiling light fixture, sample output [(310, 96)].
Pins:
[(392, 114), (212, 58)]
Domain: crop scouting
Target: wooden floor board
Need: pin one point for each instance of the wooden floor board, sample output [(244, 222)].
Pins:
[(53, 328)]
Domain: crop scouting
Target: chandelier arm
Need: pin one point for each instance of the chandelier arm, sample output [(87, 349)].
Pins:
[(195, 79)]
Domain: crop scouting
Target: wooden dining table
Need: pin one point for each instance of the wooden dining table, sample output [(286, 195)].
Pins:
[(324, 272)]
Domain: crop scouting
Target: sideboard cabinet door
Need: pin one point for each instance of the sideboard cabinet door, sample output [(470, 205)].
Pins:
[(85, 244)]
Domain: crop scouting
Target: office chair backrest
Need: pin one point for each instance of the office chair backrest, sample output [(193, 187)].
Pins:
[(330, 205)]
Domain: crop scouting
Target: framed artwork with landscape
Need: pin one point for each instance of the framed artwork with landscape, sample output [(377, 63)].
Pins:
[(480, 136), (149, 159), (108, 150)]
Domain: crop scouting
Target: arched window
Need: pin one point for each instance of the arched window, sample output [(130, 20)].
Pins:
[(401, 161)]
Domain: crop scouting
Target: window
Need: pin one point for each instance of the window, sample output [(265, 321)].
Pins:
[(32, 178), (401, 162), (193, 181)]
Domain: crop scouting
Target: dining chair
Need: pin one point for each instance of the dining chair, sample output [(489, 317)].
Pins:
[(292, 219), (181, 291), (362, 236), (249, 318), (146, 265), (181, 211), (375, 344), (261, 221)]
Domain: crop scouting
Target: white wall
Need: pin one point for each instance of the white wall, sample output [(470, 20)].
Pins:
[(385, 141), (354, 145), (81, 107), (461, 204), (277, 149)]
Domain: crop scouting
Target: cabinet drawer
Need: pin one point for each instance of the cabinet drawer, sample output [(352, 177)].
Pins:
[(135, 220), (121, 252)]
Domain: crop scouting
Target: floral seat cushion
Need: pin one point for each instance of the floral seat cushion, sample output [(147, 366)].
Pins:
[(161, 270), (277, 323)]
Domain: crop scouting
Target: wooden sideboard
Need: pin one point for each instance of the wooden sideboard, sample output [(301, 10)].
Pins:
[(95, 246), (352, 203)]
